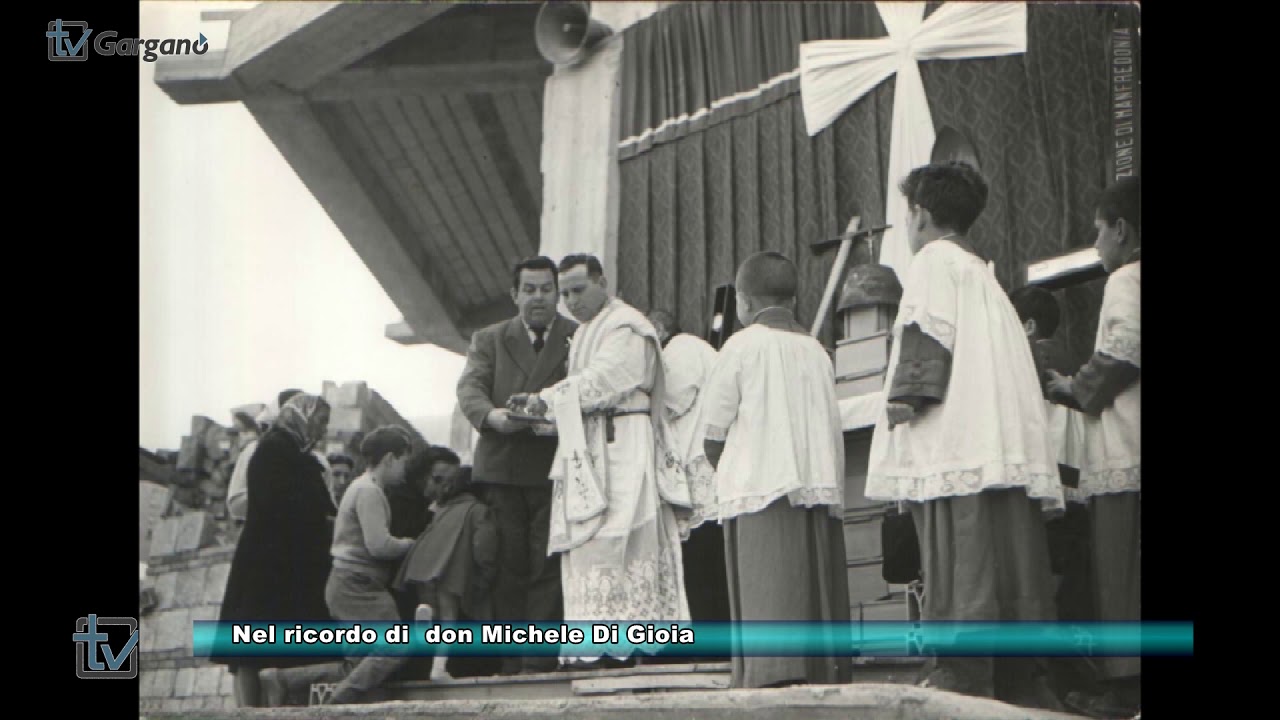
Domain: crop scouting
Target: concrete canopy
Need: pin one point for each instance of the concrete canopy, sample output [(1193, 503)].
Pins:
[(416, 126)]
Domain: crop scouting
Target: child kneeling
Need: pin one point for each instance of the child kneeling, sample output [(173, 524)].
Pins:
[(452, 565)]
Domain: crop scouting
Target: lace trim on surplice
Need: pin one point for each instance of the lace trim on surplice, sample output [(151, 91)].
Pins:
[(1038, 483), (935, 326), (1105, 482), (1122, 343), (833, 498)]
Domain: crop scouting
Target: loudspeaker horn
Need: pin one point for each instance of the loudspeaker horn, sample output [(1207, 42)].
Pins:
[(565, 32)]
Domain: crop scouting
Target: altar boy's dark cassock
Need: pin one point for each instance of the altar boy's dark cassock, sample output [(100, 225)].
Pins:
[(502, 362)]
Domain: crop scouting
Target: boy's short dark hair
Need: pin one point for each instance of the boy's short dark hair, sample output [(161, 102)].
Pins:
[(440, 453), (388, 439), (1122, 200), (459, 483), (418, 470), (1034, 303), (954, 193), (768, 275)]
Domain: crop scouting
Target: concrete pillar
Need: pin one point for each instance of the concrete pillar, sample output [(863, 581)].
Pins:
[(580, 121)]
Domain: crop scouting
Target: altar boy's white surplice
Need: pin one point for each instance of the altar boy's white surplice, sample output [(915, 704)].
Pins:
[(1112, 453), (772, 402), (688, 361), (990, 432), (614, 504)]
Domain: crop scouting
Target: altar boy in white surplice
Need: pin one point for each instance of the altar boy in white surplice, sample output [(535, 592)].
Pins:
[(619, 488), (774, 436), (687, 361), (1108, 391), (963, 438)]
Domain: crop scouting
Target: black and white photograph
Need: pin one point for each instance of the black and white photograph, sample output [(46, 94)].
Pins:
[(646, 314)]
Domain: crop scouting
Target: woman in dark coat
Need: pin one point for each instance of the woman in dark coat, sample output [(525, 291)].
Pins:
[(282, 560)]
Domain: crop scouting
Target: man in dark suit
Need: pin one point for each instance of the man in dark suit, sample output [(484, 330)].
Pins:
[(521, 355)]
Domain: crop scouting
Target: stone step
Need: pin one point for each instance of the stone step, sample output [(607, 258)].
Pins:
[(643, 678), (865, 701), (566, 683), (664, 682)]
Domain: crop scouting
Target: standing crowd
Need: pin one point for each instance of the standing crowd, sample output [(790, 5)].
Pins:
[(626, 471)]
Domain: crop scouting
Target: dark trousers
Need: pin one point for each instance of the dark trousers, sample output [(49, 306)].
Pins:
[(705, 581), (356, 597), (1069, 553), (788, 563), (1115, 523), (985, 558), (528, 584)]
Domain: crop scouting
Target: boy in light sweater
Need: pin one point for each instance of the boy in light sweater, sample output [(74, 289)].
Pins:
[(365, 555)]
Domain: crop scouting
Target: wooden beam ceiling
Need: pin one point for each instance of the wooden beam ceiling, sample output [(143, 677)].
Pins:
[(420, 139), (491, 77), (306, 144), (333, 38)]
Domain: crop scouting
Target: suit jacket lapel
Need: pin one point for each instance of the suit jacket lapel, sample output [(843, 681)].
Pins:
[(519, 346), (554, 351)]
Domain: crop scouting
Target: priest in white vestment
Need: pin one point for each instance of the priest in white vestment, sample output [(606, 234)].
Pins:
[(620, 492)]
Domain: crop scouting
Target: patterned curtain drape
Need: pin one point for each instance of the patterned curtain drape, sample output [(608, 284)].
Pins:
[(699, 196), (686, 61)]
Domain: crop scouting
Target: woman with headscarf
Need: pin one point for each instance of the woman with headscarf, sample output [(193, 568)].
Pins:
[(282, 560)]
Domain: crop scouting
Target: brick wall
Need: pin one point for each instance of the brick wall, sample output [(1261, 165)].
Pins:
[(355, 409), (189, 585)]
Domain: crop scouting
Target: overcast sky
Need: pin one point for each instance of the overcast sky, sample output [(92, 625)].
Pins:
[(246, 285)]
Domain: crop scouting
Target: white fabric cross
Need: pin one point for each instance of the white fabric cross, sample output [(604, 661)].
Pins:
[(835, 74)]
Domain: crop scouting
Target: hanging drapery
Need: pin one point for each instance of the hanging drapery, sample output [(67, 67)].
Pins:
[(716, 161), (695, 65), (834, 74)]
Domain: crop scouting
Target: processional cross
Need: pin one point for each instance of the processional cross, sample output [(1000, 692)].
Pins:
[(835, 74)]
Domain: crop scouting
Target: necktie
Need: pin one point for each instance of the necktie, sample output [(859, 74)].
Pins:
[(537, 341)]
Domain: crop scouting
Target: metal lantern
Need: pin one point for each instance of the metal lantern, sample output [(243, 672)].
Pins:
[(867, 308)]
